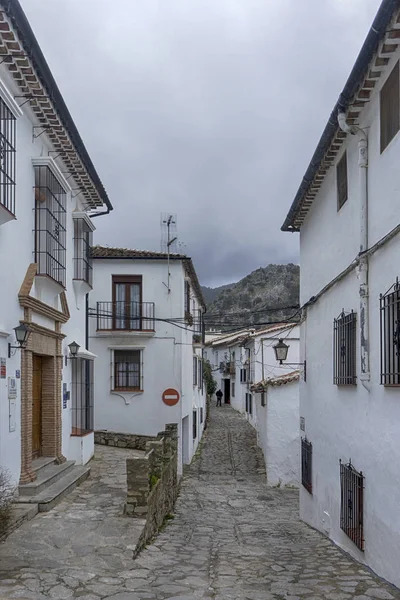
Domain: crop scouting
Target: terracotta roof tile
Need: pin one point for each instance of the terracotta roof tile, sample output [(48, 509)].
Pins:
[(108, 252), (261, 386)]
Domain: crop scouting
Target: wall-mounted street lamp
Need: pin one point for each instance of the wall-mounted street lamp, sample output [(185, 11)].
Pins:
[(73, 351), (21, 335), (281, 351)]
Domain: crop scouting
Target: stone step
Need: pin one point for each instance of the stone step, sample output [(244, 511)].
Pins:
[(46, 476), (19, 514), (50, 496), (40, 464)]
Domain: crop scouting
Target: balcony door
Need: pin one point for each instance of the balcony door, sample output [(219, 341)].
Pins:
[(127, 302)]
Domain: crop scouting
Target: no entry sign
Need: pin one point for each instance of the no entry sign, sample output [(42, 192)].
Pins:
[(170, 397)]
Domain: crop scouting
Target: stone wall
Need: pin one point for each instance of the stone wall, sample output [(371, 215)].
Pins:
[(122, 440), (152, 482)]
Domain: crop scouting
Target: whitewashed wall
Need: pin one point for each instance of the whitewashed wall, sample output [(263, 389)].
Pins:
[(278, 433), (353, 423), (167, 356), (16, 251)]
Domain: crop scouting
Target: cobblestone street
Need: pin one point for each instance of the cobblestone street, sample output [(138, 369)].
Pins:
[(231, 538)]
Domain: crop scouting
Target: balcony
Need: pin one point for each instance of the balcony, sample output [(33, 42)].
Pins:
[(123, 316)]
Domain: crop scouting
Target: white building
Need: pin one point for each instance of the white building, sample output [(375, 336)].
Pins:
[(146, 329), (49, 190), (348, 213), (252, 381)]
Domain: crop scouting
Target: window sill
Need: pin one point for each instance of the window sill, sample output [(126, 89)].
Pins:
[(127, 391), (6, 215), (80, 432)]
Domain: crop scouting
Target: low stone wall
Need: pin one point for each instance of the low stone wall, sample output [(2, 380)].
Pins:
[(122, 440), (152, 482)]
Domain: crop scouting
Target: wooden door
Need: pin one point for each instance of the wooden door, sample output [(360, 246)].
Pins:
[(37, 407)]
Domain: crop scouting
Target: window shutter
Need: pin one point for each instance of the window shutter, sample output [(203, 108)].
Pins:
[(390, 108)]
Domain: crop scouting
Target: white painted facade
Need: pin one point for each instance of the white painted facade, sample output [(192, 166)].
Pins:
[(355, 422), (277, 418), (168, 354), (17, 254)]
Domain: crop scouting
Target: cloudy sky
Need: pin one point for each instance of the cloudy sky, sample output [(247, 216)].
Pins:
[(210, 109)]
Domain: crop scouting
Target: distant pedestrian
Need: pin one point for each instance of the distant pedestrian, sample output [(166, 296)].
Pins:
[(219, 395)]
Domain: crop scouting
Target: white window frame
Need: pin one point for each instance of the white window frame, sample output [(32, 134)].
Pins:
[(112, 370)]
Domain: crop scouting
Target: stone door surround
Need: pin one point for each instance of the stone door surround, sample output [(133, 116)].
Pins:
[(48, 344)]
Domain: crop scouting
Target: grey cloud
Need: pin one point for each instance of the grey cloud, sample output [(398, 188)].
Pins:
[(208, 109)]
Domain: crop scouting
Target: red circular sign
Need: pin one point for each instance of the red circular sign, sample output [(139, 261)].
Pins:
[(170, 397)]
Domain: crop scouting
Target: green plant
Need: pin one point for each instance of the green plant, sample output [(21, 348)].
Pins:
[(211, 384), (153, 480)]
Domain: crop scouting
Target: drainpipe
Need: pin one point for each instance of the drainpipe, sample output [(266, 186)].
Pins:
[(362, 260)]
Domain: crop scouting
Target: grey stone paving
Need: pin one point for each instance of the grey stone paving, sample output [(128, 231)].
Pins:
[(232, 539)]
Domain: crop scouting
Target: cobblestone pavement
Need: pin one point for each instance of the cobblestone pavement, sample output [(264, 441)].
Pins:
[(232, 538)]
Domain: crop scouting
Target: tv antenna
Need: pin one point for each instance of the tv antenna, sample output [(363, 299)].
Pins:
[(169, 239)]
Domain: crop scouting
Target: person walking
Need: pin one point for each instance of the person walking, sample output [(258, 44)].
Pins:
[(219, 395)]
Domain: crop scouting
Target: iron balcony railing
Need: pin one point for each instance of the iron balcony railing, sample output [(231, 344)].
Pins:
[(352, 504), (123, 316), (306, 464)]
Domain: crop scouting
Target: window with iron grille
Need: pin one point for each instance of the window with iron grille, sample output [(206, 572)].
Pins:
[(306, 464), (390, 108), (233, 389), (352, 504), (344, 349), (83, 241), (249, 404), (194, 370), (82, 396), (194, 424), (201, 415), (200, 373), (50, 225), (243, 375), (7, 157), (128, 370), (341, 181), (390, 335)]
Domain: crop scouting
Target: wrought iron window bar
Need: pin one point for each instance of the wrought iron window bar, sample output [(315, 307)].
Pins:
[(82, 396), (306, 464), (125, 316), (390, 335), (7, 157), (50, 225), (128, 370), (83, 241), (344, 352), (352, 504)]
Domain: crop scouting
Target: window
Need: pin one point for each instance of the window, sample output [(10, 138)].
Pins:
[(200, 375), (7, 157), (233, 389), (50, 225), (249, 404), (83, 241), (344, 349), (390, 336), (341, 181), (390, 108), (194, 424), (201, 415), (263, 399), (127, 370), (187, 297), (82, 396), (127, 298), (352, 504), (243, 375), (195, 370), (306, 464)]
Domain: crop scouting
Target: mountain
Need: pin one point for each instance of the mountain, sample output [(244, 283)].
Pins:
[(249, 302), (211, 294)]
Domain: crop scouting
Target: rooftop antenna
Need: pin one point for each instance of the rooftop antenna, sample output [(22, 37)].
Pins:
[(169, 239)]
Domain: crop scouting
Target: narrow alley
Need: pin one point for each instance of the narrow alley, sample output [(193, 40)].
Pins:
[(232, 538)]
